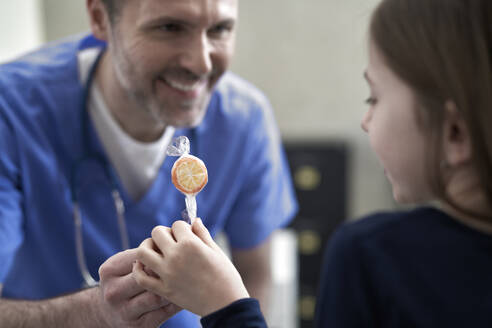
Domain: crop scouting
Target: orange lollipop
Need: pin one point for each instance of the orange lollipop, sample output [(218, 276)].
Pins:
[(189, 174)]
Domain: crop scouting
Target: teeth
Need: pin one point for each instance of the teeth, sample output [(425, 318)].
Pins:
[(183, 87)]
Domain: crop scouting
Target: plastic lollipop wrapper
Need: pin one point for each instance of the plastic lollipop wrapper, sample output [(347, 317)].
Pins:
[(189, 175)]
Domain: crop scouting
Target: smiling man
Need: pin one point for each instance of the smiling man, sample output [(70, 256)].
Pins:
[(164, 60), (84, 126)]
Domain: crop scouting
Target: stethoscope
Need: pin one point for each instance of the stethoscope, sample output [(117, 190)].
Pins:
[(119, 205), (118, 201)]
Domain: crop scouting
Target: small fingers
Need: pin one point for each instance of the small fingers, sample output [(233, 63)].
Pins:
[(181, 230), (163, 238), (147, 255), (148, 243), (145, 280), (201, 231)]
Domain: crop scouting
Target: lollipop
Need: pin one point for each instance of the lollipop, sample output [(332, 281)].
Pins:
[(189, 174)]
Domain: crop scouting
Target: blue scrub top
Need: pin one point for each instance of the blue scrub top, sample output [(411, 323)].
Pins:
[(249, 193)]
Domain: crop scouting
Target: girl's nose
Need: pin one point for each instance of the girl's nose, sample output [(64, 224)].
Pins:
[(364, 124)]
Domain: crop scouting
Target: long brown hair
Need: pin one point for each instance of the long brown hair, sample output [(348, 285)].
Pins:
[(443, 50)]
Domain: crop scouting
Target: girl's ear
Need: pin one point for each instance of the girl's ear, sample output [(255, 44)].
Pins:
[(456, 137), (98, 19)]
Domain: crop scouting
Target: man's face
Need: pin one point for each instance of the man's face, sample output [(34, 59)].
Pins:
[(167, 55)]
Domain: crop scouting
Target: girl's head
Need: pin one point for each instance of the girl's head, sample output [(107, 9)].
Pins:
[(430, 74)]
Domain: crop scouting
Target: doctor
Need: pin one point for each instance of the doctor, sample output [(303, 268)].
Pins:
[(84, 124)]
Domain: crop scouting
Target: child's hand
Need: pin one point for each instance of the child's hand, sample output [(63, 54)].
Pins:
[(190, 269)]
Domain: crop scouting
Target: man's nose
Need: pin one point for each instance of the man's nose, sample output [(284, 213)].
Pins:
[(197, 57)]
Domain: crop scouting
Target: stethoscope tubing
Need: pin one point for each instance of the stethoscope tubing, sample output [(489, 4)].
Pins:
[(117, 199), (119, 204)]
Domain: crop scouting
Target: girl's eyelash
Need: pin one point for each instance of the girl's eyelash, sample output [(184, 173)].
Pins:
[(370, 101)]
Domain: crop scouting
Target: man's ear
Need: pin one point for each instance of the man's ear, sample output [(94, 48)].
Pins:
[(98, 19), (456, 137)]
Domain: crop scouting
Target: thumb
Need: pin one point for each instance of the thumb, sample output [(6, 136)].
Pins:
[(201, 231)]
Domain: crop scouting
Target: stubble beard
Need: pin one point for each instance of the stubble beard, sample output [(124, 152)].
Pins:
[(187, 114), (144, 99)]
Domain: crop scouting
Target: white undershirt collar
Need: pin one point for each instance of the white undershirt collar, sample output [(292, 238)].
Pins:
[(137, 163)]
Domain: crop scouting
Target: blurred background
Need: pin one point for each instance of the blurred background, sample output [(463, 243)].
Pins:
[(308, 57)]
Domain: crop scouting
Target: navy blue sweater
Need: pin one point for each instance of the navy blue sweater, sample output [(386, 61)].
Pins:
[(418, 268)]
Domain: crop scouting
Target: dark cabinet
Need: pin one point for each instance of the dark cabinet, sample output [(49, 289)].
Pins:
[(319, 172)]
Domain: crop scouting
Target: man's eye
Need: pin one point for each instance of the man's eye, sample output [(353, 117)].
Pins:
[(171, 27), (221, 29)]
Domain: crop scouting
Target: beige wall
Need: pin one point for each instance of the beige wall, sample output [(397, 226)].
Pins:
[(308, 57), (20, 27), (64, 17)]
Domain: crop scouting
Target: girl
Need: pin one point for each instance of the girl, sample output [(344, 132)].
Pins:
[(430, 76)]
